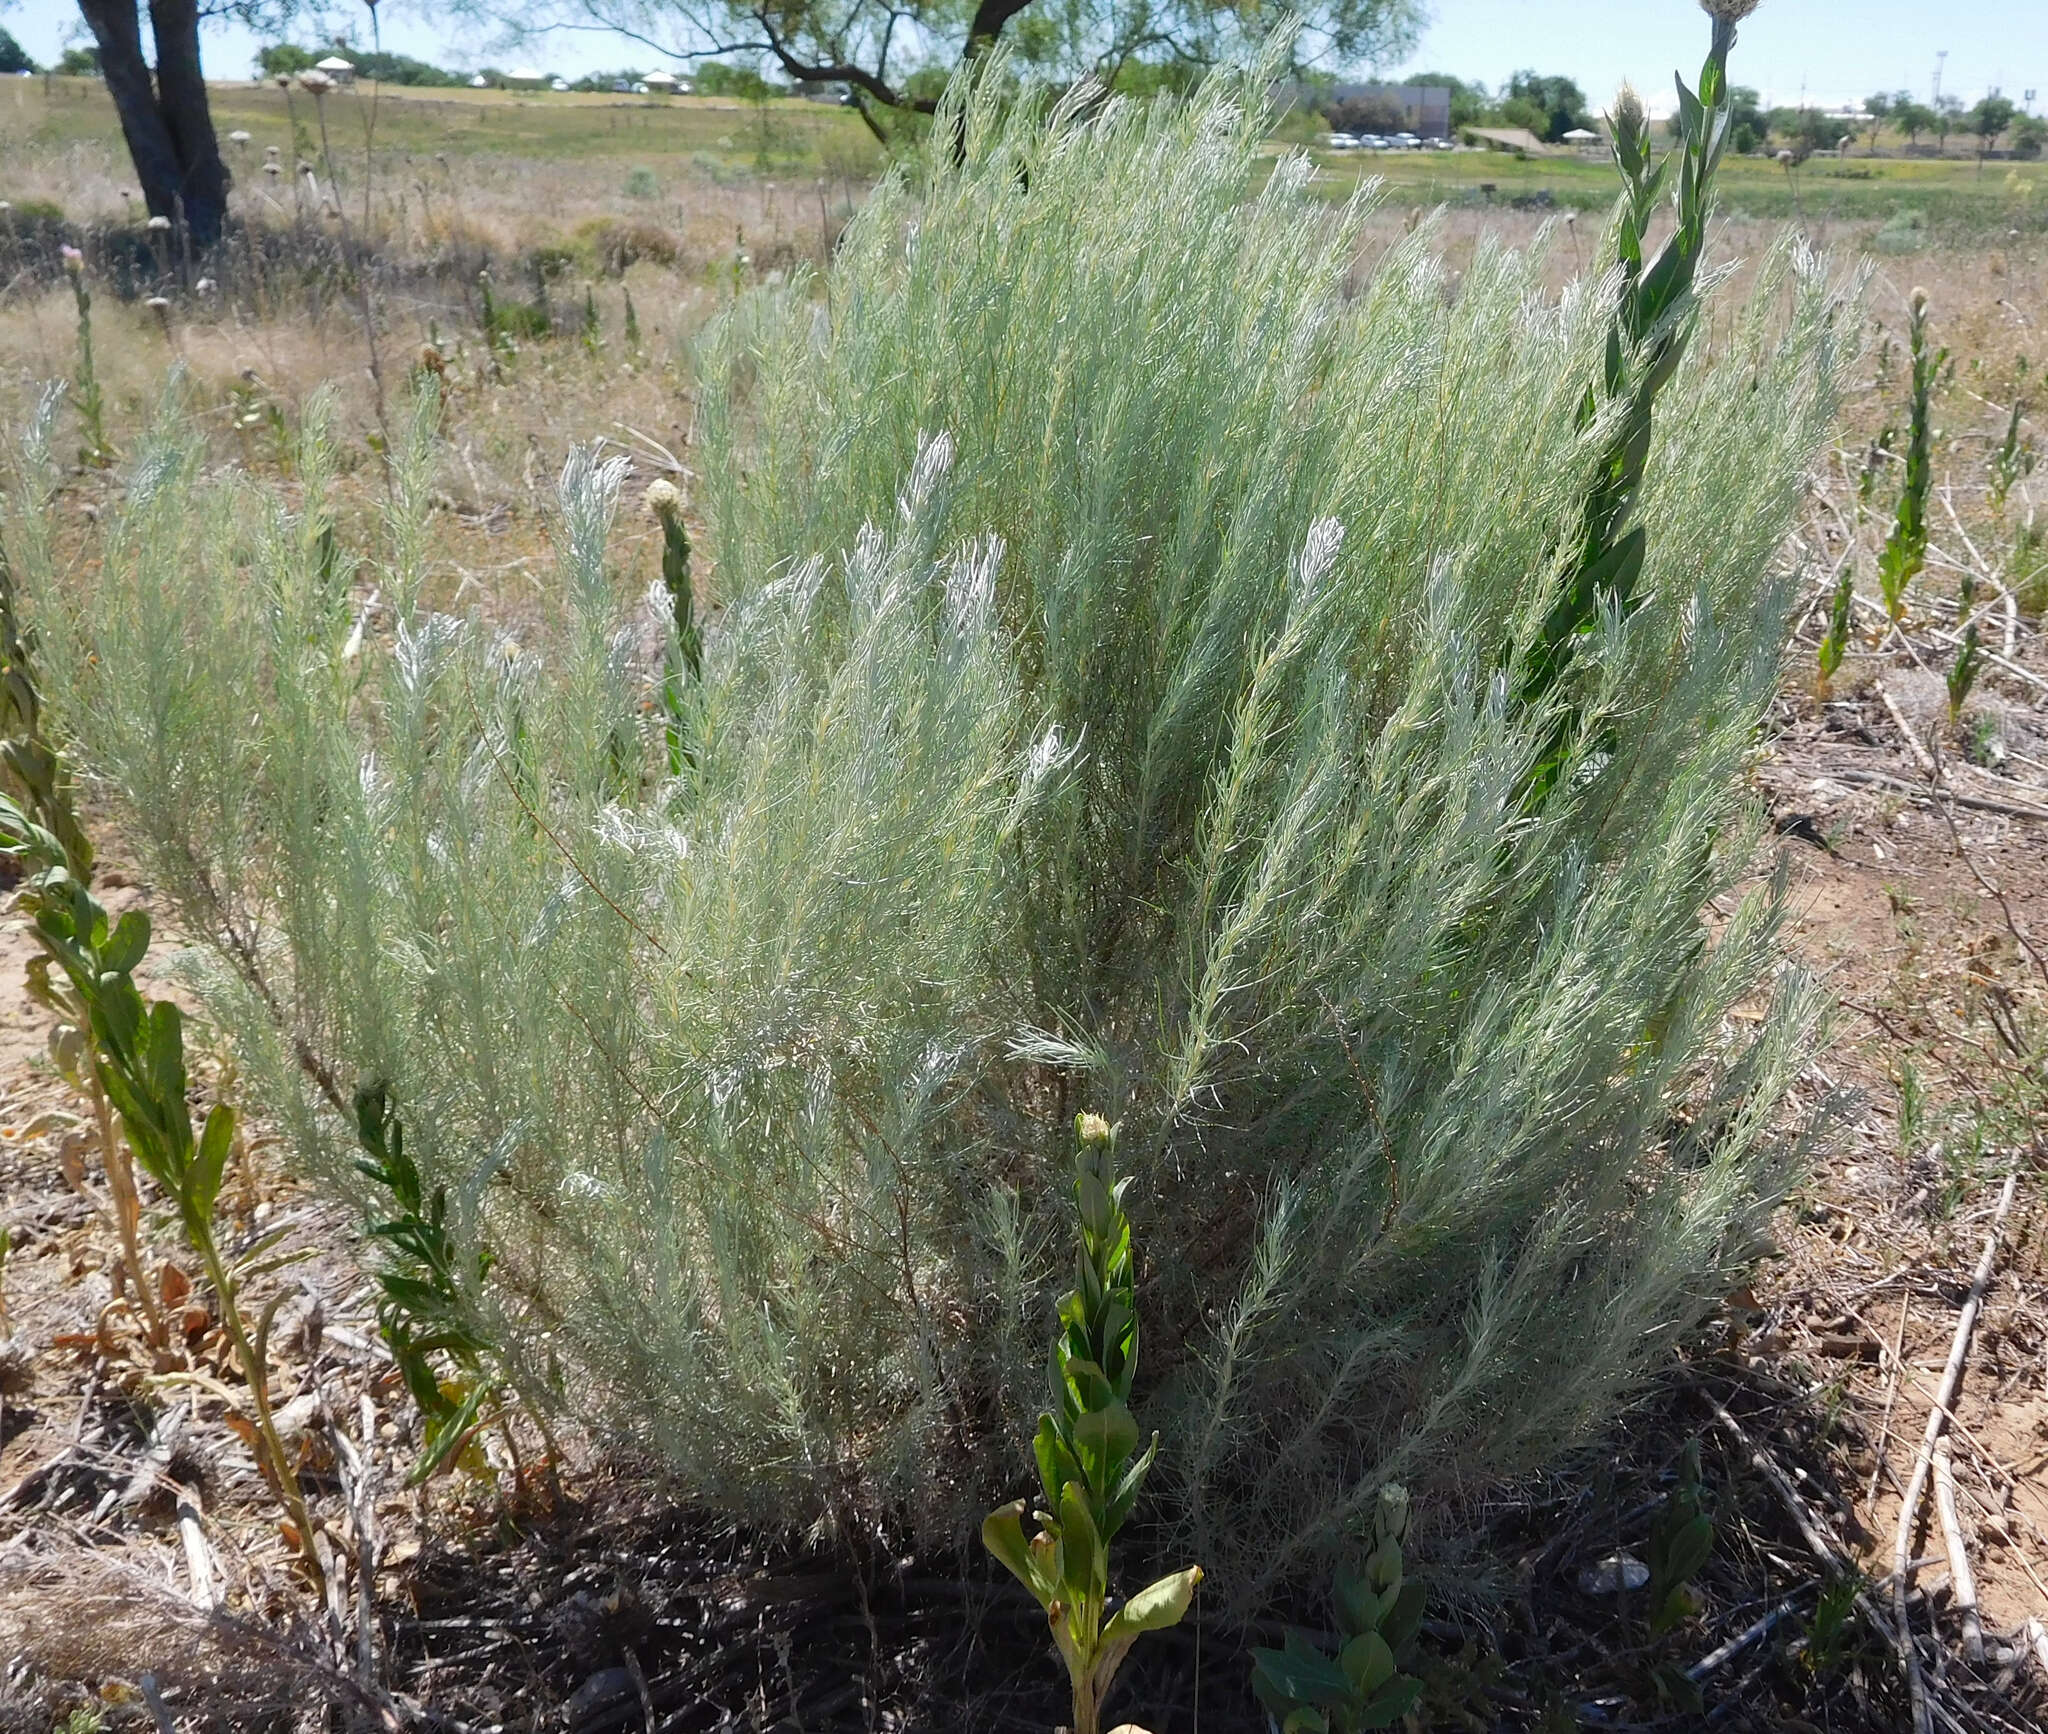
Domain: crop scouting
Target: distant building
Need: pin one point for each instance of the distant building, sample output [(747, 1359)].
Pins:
[(1425, 108), (340, 70)]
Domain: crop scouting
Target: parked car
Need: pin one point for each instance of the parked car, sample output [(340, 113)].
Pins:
[(1339, 141)]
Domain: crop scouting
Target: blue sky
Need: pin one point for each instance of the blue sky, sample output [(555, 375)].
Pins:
[(1827, 50)]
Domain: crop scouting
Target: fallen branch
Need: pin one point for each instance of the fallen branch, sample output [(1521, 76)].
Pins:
[(198, 1557), (1879, 780), (1962, 1582), (1813, 1529), (1990, 890), (1891, 1397), (1921, 756), (1923, 1463), (1742, 1640)]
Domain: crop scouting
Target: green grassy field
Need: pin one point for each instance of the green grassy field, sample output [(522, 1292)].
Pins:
[(1926, 197), (539, 125), (1953, 192)]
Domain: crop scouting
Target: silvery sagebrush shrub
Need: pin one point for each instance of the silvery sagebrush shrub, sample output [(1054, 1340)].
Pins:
[(1113, 699)]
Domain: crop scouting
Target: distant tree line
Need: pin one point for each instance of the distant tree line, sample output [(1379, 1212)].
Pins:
[(287, 59), (1549, 106)]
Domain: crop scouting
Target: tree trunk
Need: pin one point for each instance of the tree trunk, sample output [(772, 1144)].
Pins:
[(166, 120), (181, 99)]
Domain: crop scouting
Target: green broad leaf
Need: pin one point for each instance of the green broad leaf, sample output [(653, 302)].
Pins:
[(1306, 1720), (1367, 1663), (447, 1436), (1084, 1564), (210, 1165), (1158, 1605), (1403, 1619), (1358, 1605), (1393, 1701), (1090, 1384), (1383, 1568), (1109, 1435), (128, 945), (1299, 1674), (1125, 1494), (1057, 1465), (1689, 1549), (1097, 1211), (1002, 1533)]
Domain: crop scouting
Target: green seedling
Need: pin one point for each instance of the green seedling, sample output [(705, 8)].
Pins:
[(1963, 671), (1681, 1542), (95, 451), (1379, 1611), (1876, 456), (2013, 460), (1905, 549), (1830, 1635), (421, 1312), (1089, 1465), (138, 1056), (1834, 643), (686, 651), (32, 773), (1652, 325)]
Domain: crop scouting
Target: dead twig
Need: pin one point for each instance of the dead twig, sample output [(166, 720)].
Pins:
[(1891, 1397), (1813, 1529), (1962, 1582), (1990, 890), (1923, 1463), (1977, 803), (1921, 756)]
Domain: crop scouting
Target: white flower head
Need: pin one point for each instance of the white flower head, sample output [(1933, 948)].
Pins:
[(159, 223), (1629, 113), (662, 499), (316, 81)]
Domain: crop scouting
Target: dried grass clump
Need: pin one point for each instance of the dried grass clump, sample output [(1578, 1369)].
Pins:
[(1113, 707), (101, 1617)]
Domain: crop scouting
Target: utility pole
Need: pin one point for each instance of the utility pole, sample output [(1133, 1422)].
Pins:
[(1940, 57)]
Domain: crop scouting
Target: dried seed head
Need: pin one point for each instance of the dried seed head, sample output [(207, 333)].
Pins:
[(270, 151), (238, 137), (1729, 11), (1785, 157), (206, 286), (1917, 300), (273, 169), (1093, 1129), (158, 304), (316, 81), (160, 223), (662, 499)]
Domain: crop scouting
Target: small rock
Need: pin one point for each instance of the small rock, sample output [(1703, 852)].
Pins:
[(607, 1686), (1612, 1575)]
